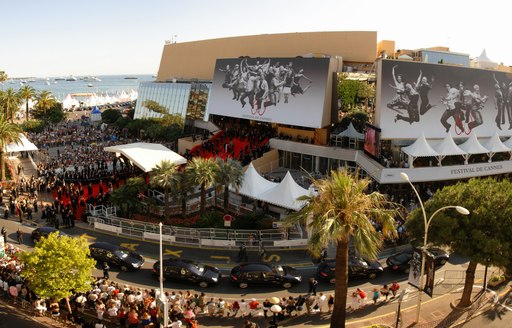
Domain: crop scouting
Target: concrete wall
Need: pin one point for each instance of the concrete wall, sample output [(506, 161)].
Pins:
[(196, 59)]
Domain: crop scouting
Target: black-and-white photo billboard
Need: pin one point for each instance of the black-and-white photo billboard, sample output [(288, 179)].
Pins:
[(279, 90), (435, 99)]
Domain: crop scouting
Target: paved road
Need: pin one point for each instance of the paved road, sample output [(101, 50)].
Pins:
[(10, 318)]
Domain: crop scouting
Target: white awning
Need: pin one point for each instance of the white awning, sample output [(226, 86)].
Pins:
[(23, 145), (351, 132), (473, 146), (147, 155), (420, 148), (285, 194), (253, 184)]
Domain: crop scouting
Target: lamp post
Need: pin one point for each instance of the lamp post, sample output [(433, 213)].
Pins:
[(460, 209), (162, 294)]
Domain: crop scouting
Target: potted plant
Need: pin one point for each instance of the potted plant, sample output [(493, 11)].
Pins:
[(496, 279)]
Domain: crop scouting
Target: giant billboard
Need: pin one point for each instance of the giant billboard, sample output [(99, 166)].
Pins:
[(434, 99), (278, 90)]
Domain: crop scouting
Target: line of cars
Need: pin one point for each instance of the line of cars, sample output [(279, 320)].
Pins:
[(247, 274)]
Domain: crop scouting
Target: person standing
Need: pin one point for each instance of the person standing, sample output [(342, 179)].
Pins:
[(375, 297), (4, 234), (362, 298), (106, 268), (19, 236), (394, 288), (385, 291), (242, 254), (312, 285)]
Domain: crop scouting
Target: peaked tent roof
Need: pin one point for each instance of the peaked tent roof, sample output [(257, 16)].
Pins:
[(254, 184), (285, 194), (420, 148), (483, 57), (351, 132), (508, 143), (473, 146), (147, 155), (96, 110), (448, 147), (495, 145), (23, 145)]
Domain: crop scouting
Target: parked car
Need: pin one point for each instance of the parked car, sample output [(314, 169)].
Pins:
[(115, 255), (188, 271), (40, 232), (264, 274), (357, 268), (401, 261)]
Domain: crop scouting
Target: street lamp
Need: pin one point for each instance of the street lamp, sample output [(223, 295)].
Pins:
[(163, 299), (460, 209)]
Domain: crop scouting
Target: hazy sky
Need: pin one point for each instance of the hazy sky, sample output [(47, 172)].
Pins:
[(62, 37)]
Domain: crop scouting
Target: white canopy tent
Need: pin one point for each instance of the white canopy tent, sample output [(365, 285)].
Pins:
[(472, 146), (420, 148), (147, 155), (285, 194), (508, 143), (447, 147), (351, 133), (253, 184), (23, 145), (494, 145)]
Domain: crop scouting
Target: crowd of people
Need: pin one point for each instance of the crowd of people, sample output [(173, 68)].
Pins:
[(116, 304)]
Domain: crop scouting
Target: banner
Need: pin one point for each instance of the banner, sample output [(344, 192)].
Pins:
[(430, 268), (275, 90), (415, 269), (434, 99)]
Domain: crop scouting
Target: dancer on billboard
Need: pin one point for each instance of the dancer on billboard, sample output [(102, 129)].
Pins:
[(423, 87), (412, 107), (509, 106), (296, 88), (452, 110), (477, 103), (400, 101), (500, 94)]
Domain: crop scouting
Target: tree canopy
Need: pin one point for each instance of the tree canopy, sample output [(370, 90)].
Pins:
[(483, 236), (58, 266)]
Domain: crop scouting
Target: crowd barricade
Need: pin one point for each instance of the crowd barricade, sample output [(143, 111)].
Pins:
[(230, 238)]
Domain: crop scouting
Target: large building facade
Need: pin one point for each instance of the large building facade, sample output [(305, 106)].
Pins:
[(193, 82)]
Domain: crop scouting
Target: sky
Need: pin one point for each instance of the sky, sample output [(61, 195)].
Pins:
[(63, 37)]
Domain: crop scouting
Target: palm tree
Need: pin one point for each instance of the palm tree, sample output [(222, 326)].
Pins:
[(164, 176), (182, 188), (230, 173), (45, 101), (9, 132), (9, 102), (343, 211), (3, 78), (203, 172), (27, 93)]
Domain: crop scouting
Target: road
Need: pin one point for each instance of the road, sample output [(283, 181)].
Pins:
[(145, 279), (10, 318)]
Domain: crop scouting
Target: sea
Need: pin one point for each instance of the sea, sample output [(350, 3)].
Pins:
[(103, 85)]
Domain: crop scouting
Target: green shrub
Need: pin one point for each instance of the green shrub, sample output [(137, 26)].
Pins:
[(211, 219)]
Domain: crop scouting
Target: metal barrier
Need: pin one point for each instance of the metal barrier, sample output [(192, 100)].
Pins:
[(455, 277), (270, 238)]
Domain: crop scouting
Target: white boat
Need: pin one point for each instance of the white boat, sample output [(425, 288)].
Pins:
[(90, 85), (71, 78), (91, 79)]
